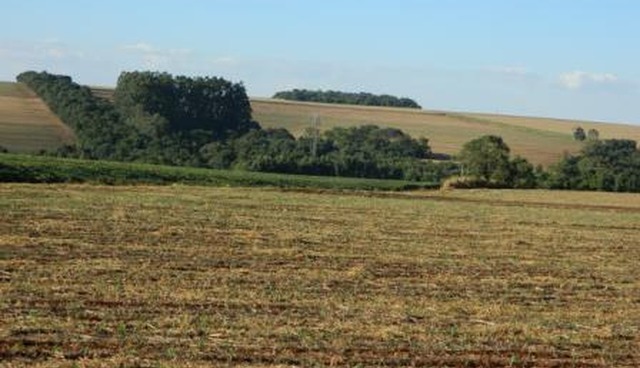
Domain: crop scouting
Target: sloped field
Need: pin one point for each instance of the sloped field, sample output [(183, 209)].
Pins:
[(26, 123)]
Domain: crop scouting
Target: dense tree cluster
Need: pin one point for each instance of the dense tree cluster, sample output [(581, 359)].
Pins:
[(487, 161), (98, 127), (174, 117), (206, 122), (608, 165), (182, 104), (361, 98), (365, 151)]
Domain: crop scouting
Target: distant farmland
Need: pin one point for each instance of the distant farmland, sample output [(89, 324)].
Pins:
[(541, 140), (26, 124)]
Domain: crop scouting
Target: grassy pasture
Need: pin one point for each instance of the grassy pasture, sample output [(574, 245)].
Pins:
[(26, 123), (200, 276)]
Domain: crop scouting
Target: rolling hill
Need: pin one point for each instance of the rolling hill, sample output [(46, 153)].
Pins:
[(541, 140), (26, 124)]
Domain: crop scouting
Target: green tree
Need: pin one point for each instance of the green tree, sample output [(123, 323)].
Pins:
[(360, 98), (209, 104), (487, 159), (579, 134), (610, 165), (523, 174)]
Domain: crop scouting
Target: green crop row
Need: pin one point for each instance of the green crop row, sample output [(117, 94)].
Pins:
[(45, 169)]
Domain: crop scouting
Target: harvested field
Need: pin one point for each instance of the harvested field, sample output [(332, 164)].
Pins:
[(26, 123), (194, 276), (447, 132), (607, 130)]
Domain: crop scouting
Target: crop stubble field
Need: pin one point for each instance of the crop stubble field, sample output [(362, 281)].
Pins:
[(194, 276)]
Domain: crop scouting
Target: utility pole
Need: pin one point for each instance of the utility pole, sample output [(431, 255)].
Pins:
[(315, 127)]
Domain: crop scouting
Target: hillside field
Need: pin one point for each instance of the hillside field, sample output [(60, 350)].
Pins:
[(540, 140), (26, 123), (197, 276)]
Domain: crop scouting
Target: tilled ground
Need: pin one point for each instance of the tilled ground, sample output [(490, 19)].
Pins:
[(184, 276)]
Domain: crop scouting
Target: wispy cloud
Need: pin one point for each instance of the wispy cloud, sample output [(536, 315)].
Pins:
[(510, 76), (48, 49), (158, 58), (510, 70), (578, 80), (139, 47)]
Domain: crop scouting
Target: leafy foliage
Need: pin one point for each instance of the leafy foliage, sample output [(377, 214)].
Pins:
[(181, 104), (487, 159), (609, 165), (99, 128), (365, 151), (337, 97), (579, 134)]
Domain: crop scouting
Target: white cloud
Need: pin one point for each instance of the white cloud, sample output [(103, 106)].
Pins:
[(578, 79)]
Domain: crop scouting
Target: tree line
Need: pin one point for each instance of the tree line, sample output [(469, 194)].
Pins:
[(206, 122), (606, 165), (349, 98), (365, 151), (603, 165), (99, 129)]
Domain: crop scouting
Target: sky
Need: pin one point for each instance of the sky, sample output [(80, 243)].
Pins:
[(577, 59)]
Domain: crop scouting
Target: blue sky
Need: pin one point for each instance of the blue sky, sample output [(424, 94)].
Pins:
[(571, 59)]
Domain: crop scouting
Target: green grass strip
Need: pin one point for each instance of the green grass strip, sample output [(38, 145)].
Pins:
[(43, 169)]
